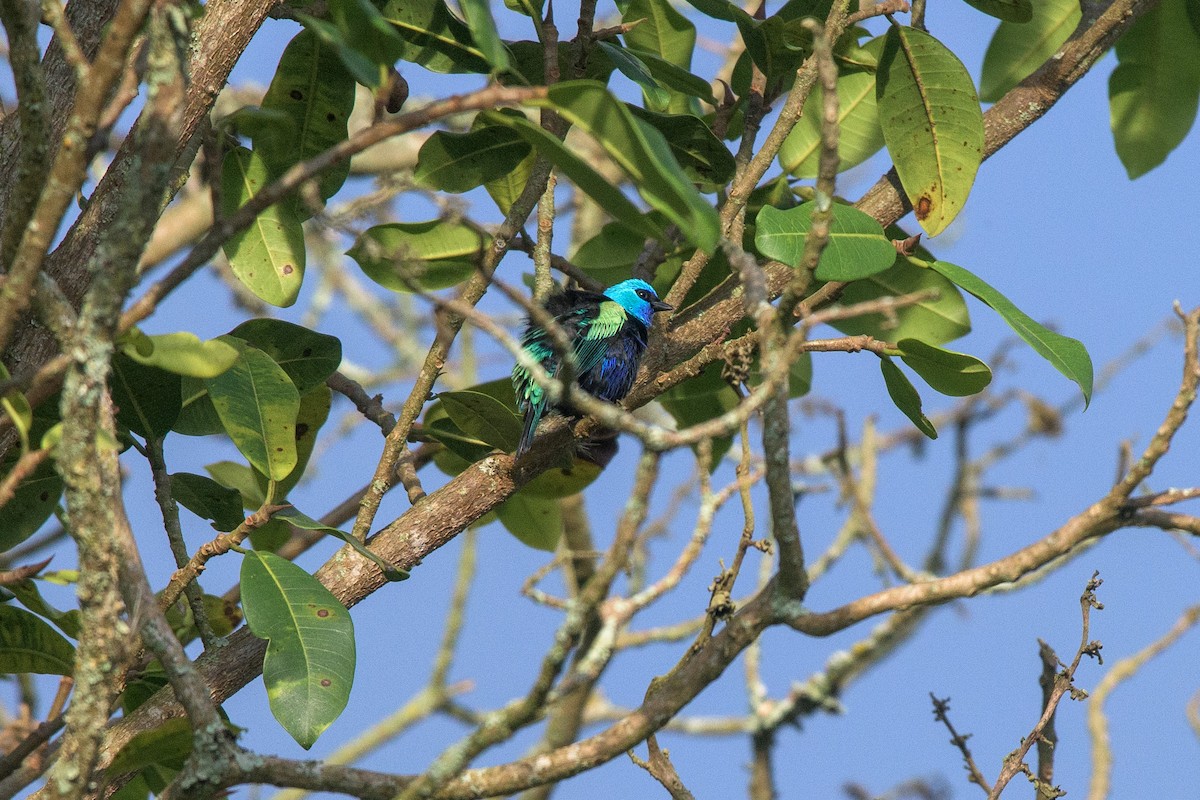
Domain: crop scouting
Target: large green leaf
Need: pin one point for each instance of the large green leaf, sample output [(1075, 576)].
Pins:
[(365, 41), (955, 374), (309, 666), (859, 134), (536, 521), (268, 256), (197, 417), (931, 122), (699, 399), (240, 478), (676, 78), (484, 418), (857, 247), (183, 353), (1017, 49), (459, 162), (27, 594), (563, 482), (148, 399), (611, 253), (29, 644), (31, 504), (1019, 11), (701, 155), (1067, 355), (435, 38), (314, 411), (312, 88), (641, 152), (589, 181), (662, 30), (632, 67), (1155, 90), (258, 404), (905, 396), (208, 499), (482, 26), (16, 407), (430, 255), (166, 745), (306, 356), (936, 321)]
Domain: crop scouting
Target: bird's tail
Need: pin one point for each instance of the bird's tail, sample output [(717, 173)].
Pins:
[(533, 416)]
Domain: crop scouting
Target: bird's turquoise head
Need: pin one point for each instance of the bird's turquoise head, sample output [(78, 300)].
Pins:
[(638, 298)]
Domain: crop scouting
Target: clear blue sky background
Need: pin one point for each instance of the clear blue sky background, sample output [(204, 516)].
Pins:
[(1054, 223)]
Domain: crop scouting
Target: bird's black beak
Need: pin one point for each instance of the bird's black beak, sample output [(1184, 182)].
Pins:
[(659, 305)]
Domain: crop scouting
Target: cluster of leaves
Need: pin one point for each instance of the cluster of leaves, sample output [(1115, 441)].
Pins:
[(263, 384)]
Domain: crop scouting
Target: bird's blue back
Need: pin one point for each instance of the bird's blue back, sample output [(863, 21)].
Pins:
[(608, 335)]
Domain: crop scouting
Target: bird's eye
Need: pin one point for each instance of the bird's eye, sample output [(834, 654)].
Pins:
[(642, 293)]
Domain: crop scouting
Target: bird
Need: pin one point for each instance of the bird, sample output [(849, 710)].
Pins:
[(608, 336)]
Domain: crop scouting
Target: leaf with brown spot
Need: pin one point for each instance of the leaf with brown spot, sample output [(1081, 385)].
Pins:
[(932, 124), (309, 666)]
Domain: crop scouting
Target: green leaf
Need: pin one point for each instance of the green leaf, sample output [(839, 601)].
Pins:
[(591, 182), (699, 399), (931, 122), (857, 247), (432, 255), (311, 88), (183, 353), (362, 37), (197, 417), (632, 67), (27, 594), (1018, 11), (240, 478), (700, 154), (505, 189), (208, 499), (148, 399), (563, 482), (1155, 90), (294, 516), (223, 615), (31, 505), (1017, 49), (859, 134), (641, 152), (268, 257), (167, 744), (662, 30), (307, 357), (309, 666), (1065, 354), (935, 321), (16, 407), (435, 38), (483, 30), (674, 77), (611, 253), (314, 410), (536, 521), (905, 396), (29, 645), (459, 162), (483, 418), (258, 404), (951, 373)]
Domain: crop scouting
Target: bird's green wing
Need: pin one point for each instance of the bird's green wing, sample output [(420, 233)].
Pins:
[(592, 343)]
